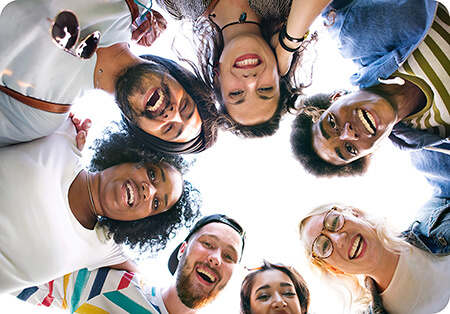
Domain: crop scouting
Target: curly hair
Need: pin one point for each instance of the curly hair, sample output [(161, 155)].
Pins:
[(303, 150), (300, 286), (209, 45), (150, 233)]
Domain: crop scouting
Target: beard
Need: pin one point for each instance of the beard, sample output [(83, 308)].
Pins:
[(191, 296), (132, 81)]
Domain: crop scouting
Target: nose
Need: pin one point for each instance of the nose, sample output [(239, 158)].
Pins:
[(172, 114), (148, 191), (214, 258), (278, 302), (338, 238), (348, 132)]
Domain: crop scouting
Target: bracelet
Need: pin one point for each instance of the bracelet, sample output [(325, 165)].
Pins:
[(283, 34)]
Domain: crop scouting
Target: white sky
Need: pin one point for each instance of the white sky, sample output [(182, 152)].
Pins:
[(258, 183)]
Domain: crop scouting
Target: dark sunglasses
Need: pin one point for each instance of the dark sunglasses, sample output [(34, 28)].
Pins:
[(65, 31)]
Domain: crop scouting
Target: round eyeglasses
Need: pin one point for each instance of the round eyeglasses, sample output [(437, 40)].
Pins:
[(322, 246), (65, 31)]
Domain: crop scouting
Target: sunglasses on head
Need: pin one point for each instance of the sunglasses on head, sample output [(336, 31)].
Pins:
[(65, 31)]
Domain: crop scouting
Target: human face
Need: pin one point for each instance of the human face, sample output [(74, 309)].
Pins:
[(273, 292), (356, 247), (163, 108), (129, 192), (353, 127), (207, 263), (249, 79)]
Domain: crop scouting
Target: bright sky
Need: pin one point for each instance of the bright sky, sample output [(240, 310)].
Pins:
[(258, 183)]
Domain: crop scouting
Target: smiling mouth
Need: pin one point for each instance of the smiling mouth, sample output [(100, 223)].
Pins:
[(356, 247), (130, 193), (367, 120), (206, 275), (155, 102), (247, 63)]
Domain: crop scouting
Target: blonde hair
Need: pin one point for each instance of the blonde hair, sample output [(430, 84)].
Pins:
[(355, 296)]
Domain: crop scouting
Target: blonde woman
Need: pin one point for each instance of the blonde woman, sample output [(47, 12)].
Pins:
[(411, 271)]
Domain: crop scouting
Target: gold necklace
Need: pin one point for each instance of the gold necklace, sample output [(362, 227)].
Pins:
[(100, 71)]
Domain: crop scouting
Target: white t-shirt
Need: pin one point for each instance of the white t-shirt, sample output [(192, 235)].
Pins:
[(421, 284), (31, 64), (40, 238)]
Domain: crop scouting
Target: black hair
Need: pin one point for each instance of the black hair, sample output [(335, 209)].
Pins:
[(300, 286), (152, 232), (303, 150), (209, 46)]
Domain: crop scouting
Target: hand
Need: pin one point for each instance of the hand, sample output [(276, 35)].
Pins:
[(82, 128), (284, 58), (146, 33)]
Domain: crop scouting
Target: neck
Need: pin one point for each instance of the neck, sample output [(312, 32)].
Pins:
[(172, 302), (111, 62), (79, 201), (408, 98), (384, 273), (229, 11)]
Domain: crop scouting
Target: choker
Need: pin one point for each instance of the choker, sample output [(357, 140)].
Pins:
[(242, 20)]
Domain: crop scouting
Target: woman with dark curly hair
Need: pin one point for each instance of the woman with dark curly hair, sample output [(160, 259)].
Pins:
[(152, 231), (238, 45), (62, 217), (274, 287)]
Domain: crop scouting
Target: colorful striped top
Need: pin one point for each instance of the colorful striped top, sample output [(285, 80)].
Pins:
[(429, 68), (101, 291)]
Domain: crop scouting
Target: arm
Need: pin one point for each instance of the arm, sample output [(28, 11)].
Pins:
[(302, 14), (127, 266)]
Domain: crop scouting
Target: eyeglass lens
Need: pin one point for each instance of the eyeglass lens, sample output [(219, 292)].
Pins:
[(333, 221)]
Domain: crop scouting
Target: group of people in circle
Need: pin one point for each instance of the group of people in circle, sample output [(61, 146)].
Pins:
[(73, 221)]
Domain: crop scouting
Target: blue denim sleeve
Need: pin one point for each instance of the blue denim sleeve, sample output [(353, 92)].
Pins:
[(431, 230)]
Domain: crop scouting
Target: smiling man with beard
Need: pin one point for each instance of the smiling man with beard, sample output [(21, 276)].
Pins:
[(203, 265), (41, 76)]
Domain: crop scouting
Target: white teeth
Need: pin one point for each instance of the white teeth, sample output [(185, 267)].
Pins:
[(130, 194), (364, 121), (356, 247), (206, 273), (243, 63), (158, 103)]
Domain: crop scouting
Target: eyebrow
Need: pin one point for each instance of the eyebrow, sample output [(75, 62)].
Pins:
[(322, 130), (263, 287), (339, 153), (217, 238), (240, 101), (163, 177)]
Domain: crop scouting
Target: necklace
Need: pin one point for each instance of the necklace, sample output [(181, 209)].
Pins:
[(242, 20), (94, 211), (100, 71)]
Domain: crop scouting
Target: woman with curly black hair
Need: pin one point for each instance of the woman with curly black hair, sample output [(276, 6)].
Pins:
[(63, 217), (152, 232)]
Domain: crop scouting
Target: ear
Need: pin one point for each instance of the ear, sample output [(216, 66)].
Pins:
[(337, 95), (182, 249)]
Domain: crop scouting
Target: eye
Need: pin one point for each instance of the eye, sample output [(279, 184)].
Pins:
[(290, 293), (265, 89), (332, 122), (350, 149), (207, 244), (151, 174), (263, 297), (156, 204), (168, 128), (229, 257), (237, 93), (185, 104)]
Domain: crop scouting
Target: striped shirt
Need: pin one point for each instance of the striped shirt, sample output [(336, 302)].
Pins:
[(429, 68), (101, 291)]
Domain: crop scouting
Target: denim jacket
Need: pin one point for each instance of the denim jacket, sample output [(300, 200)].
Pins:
[(429, 153), (431, 230), (379, 35)]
